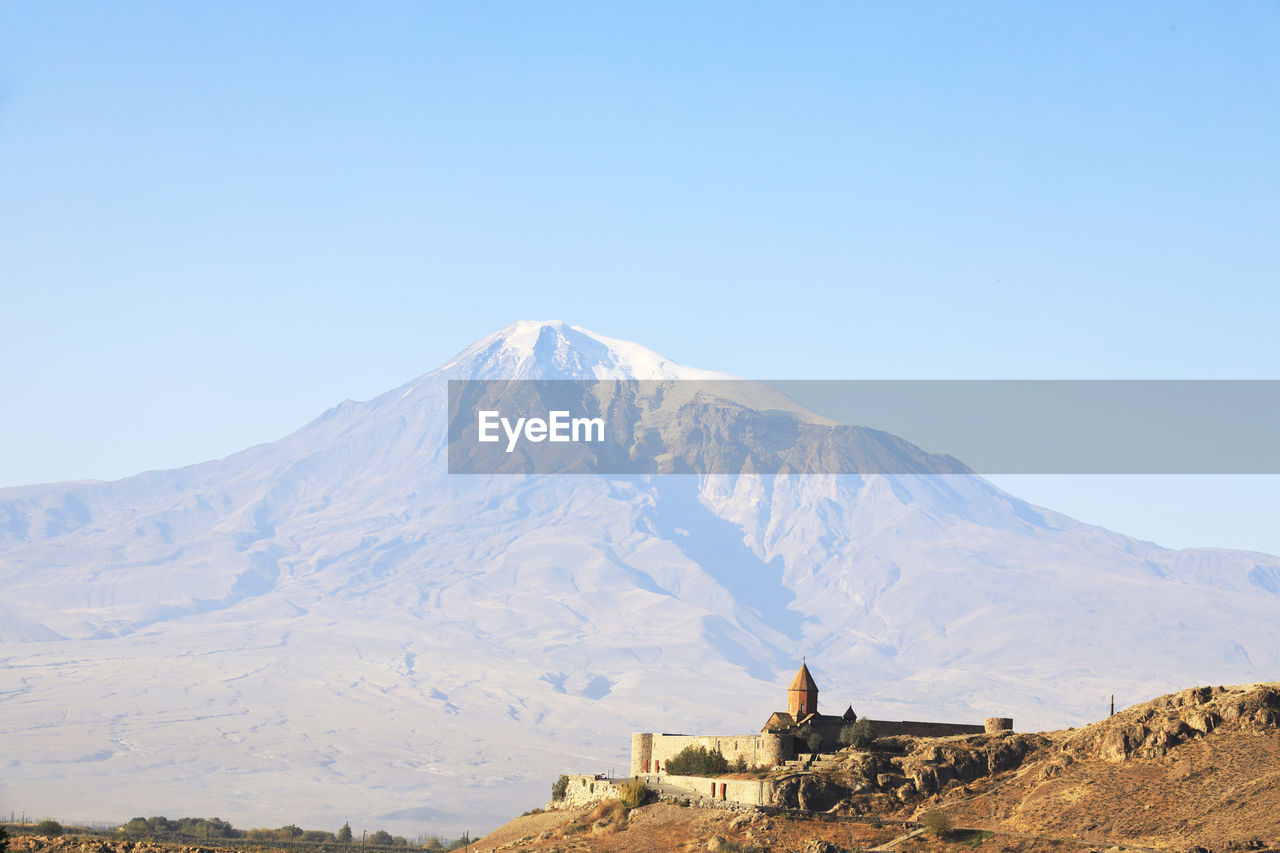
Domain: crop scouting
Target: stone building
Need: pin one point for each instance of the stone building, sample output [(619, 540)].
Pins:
[(788, 733)]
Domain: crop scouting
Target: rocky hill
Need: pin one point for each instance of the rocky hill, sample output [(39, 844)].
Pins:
[(1194, 770), (1199, 768)]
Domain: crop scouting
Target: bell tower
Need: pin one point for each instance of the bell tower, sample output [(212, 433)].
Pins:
[(802, 695)]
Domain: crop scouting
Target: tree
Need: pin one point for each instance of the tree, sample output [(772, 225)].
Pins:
[(698, 761), (48, 827), (937, 823), (344, 834), (160, 824), (381, 838), (4, 839), (858, 735), (137, 828), (316, 836), (558, 788), (813, 739)]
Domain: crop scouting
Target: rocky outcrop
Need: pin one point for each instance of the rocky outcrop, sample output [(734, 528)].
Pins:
[(813, 792), (1153, 728), (88, 844), (902, 771), (818, 845), (905, 769), (933, 767)]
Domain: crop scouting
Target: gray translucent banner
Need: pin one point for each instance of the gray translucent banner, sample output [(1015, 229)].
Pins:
[(864, 427)]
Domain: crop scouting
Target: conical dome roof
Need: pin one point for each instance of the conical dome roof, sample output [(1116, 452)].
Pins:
[(803, 680)]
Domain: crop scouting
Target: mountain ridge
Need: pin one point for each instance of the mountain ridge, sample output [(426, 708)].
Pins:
[(341, 574)]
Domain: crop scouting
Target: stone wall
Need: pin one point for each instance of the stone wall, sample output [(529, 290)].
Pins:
[(651, 752), (585, 790), (752, 792), (828, 728), (887, 728), (641, 752)]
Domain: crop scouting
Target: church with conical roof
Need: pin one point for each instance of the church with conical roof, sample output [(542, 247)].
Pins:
[(802, 695), (786, 734), (802, 706)]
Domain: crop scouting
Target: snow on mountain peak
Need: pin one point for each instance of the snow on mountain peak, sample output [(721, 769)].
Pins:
[(529, 349)]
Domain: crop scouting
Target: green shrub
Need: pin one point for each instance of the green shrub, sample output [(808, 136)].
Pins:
[(634, 794), (316, 836), (4, 839), (813, 740), (857, 734), (160, 827), (937, 823), (979, 838), (284, 833), (558, 788), (136, 828), (48, 827), (698, 761)]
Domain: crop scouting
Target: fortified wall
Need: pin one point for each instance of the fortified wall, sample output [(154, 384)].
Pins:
[(828, 728), (751, 792), (887, 728), (787, 732), (651, 752), (585, 791)]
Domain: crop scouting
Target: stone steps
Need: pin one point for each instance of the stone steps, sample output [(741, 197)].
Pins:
[(824, 761)]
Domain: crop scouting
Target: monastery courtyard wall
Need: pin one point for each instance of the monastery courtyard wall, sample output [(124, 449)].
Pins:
[(751, 792), (800, 725), (585, 791), (651, 752)]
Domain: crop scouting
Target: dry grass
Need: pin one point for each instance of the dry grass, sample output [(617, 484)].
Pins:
[(665, 827), (1211, 792)]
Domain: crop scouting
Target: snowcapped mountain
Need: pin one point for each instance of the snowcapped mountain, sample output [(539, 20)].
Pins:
[(555, 350), (331, 627)]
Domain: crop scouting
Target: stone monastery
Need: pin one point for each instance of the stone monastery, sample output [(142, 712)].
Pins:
[(778, 742)]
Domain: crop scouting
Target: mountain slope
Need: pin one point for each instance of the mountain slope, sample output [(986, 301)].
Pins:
[(331, 626)]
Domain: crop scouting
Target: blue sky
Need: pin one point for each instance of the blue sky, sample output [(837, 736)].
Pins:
[(218, 219)]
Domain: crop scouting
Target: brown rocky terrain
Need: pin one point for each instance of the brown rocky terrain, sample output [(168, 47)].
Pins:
[(663, 827), (1199, 768), (1195, 769), (80, 844)]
